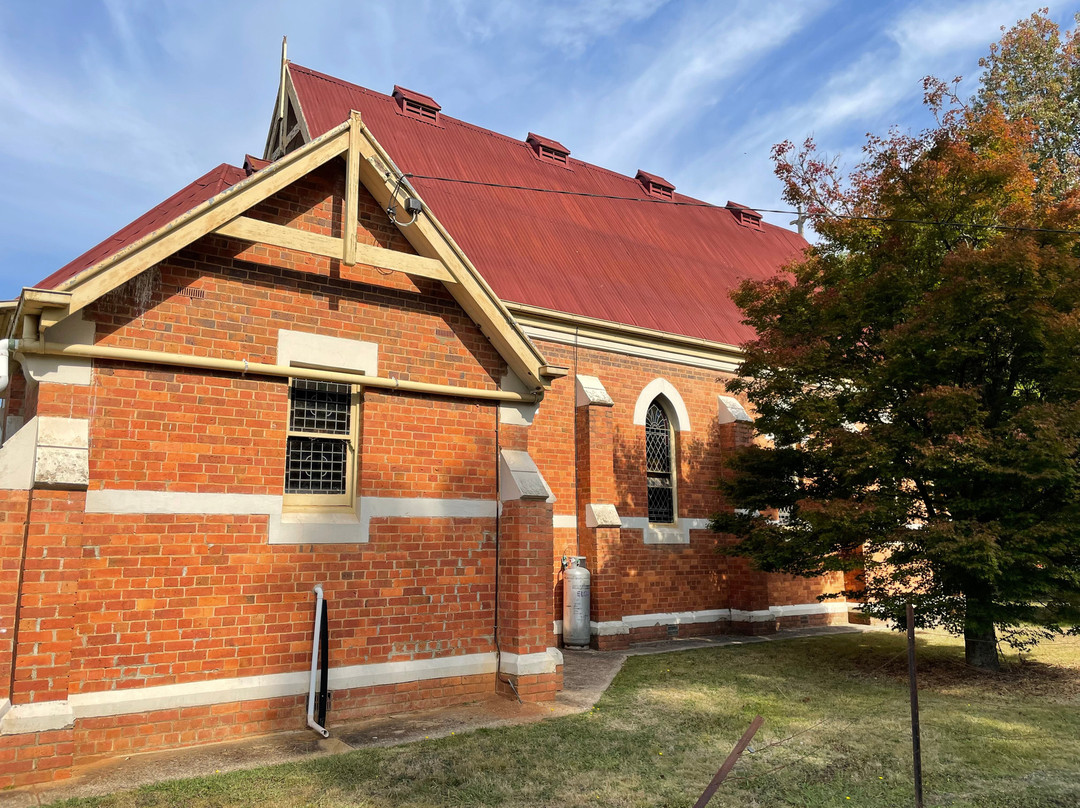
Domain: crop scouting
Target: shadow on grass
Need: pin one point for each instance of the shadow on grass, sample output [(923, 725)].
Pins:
[(836, 733)]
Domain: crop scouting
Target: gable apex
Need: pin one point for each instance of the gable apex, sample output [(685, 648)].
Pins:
[(216, 204)]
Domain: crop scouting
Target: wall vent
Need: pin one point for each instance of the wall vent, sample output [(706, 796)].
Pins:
[(547, 149), (745, 216), (417, 105), (188, 291), (655, 186)]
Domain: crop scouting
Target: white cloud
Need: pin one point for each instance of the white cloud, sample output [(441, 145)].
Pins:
[(569, 26), (572, 28), (870, 91), (680, 77)]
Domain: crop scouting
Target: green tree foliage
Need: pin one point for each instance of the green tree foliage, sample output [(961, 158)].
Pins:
[(918, 373), (1033, 74)]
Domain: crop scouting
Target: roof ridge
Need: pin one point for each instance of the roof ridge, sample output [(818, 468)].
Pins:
[(477, 128), (382, 96)]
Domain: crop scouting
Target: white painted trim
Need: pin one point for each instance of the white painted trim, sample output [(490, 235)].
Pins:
[(413, 670), (115, 500), (72, 330), (516, 414), (608, 628), (678, 533), (642, 352), (810, 608), (530, 664), (278, 685), (291, 528), (329, 353), (17, 457), (602, 514), (564, 520), (188, 694), (665, 388), (519, 478), (758, 616), (730, 410), (633, 621), (40, 716), (590, 390), (556, 627)]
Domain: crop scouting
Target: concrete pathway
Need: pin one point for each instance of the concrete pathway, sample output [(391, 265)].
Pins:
[(586, 675)]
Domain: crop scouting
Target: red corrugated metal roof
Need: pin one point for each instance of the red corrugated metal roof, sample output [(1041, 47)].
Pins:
[(209, 184), (651, 264)]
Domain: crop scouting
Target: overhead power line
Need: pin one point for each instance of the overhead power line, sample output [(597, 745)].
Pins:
[(804, 214)]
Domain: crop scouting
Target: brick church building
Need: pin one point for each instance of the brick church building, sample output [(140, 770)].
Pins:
[(400, 357)]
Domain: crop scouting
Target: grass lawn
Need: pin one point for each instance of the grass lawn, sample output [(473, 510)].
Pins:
[(661, 731)]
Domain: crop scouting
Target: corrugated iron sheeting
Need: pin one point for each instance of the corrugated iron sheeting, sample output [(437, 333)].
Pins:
[(644, 263), (209, 184)]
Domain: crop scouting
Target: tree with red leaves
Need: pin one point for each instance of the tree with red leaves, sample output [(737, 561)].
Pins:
[(918, 375)]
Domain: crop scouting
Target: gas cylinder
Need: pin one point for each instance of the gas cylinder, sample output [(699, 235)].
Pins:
[(576, 580)]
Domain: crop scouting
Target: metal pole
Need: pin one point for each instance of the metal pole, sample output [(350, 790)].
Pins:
[(916, 745), (729, 764)]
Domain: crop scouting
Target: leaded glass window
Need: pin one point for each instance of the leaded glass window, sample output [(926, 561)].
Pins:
[(659, 468), (320, 449)]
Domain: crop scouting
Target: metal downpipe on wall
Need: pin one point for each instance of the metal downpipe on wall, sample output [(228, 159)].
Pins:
[(5, 363), (319, 643)]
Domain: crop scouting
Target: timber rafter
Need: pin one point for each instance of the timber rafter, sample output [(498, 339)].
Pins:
[(367, 164)]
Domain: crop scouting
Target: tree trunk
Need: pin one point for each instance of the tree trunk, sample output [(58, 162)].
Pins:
[(980, 640)]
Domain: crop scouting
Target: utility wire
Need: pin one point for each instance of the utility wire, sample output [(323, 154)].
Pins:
[(852, 216)]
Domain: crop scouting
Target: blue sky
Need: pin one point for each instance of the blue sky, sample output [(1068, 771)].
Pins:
[(108, 107)]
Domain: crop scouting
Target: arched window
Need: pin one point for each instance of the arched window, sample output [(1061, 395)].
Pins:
[(660, 463)]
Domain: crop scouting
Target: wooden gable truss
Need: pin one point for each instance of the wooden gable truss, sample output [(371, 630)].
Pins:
[(365, 162)]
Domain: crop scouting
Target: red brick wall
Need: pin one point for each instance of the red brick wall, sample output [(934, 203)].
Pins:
[(127, 601), (12, 529), (196, 596), (49, 584), (165, 599), (658, 578)]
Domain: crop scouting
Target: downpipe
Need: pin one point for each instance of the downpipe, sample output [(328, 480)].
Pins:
[(5, 363), (316, 645)]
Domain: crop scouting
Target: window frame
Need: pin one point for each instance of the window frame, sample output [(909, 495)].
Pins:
[(344, 502), (660, 402)]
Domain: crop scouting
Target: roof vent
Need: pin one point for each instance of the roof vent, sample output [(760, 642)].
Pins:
[(417, 105), (654, 185), (745, 216), (547, 149)]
